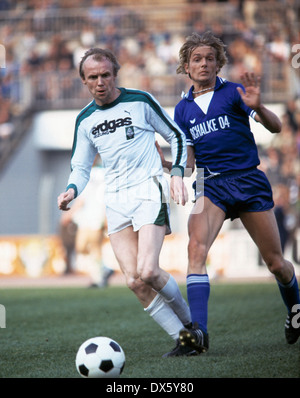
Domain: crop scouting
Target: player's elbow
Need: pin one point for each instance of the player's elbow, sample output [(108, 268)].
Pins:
[(277, 128), (275, 125)]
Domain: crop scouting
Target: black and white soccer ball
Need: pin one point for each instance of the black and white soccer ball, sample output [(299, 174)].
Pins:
[(100, 357)]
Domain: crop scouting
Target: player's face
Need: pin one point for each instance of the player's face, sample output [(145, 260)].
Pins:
[(100, 80), (202, 66)]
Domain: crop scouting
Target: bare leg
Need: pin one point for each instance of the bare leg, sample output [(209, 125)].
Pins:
[(138, 256), (125, 246), (263, 229), (150, 241), (204, 225)]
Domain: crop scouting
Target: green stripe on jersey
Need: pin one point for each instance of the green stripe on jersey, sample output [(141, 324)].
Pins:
[(85, 112), (163, 215), (130, 95)]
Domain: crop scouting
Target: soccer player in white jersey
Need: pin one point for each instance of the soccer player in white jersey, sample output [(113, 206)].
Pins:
[(214, 115), (120, 124)]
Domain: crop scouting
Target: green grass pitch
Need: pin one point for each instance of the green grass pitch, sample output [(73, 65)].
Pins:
[(46, 326)]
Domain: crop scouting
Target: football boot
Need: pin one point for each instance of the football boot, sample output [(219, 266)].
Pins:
[(180, 351), (194, 338), (291, 333)]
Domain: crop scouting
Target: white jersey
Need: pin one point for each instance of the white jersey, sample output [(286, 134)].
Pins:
[(123, 133)]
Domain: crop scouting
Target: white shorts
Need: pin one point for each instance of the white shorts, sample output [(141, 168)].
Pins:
[(147, 203)]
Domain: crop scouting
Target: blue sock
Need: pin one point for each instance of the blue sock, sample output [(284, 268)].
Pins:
[(290, 293), (198, 289)]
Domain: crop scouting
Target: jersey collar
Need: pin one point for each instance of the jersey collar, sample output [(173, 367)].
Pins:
[(189, 96), (112, 104)]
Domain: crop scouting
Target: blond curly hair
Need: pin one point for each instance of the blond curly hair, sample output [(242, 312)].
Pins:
[(196, 40)]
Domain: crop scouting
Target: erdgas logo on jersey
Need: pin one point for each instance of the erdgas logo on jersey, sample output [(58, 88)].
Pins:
[(111, 126)]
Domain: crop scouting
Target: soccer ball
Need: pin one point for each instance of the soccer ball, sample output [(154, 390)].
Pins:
[(100, 357)]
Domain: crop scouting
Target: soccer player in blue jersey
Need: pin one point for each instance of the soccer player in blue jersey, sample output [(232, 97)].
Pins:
[(214, 115), (120, 125)]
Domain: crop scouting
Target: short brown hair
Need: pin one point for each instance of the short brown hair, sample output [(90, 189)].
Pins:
[(196, 40), (98, 54)]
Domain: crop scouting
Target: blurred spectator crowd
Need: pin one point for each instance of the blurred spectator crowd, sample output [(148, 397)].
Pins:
[(45, 40)]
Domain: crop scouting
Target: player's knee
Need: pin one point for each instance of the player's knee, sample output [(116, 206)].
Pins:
[(277, 266), (133, 283), (149, 276), (148, 270), (138, 287)]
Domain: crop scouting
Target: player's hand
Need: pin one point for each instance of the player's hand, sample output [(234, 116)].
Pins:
[(65, 198), (178, 190), (251, 96)]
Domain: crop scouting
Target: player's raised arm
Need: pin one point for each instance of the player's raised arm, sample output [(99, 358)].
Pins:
[(251, 98)]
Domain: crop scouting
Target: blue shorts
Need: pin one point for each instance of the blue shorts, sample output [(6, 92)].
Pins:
[(241, 191)]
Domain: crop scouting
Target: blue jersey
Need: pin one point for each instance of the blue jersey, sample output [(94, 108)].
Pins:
[(218, 129)]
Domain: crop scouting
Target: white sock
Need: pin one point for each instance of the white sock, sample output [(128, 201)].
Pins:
[(163, 314), (173, 297)]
